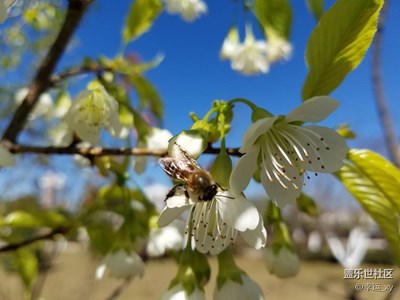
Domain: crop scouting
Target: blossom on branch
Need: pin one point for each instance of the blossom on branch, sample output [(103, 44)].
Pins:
[(93, 109), (243, 288), (283, 149), (283, 262), (278, 49), (250, 57), (178, 292), (121, 265), (189, 10), (214, 224), (167, 238)]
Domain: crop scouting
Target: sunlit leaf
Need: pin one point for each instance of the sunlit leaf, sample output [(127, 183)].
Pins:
[(140, 18), (275, 16), (307, 205), (338, 44), (316, 7), (34, 219), (374, 182), (345, 131), (148, 95), (26, 265)]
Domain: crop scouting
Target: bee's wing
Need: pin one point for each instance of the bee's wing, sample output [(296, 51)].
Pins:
[(175, 168), (182, 155)]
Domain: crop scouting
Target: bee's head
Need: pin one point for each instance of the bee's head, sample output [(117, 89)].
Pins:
[(210, 192)]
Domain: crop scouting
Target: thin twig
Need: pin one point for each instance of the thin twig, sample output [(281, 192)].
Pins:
[(47, 236), (55, 80), (75, 12), (383, 110), (99, 151)]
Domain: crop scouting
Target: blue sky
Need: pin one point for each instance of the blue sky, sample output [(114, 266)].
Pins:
[(192, 75)]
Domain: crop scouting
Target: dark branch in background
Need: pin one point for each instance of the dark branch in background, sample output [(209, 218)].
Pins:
[(41, 81), (99, 151), (383, 110), (55, 80), (47, 236)]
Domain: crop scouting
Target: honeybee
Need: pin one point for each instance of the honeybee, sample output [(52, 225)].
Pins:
[(186, 169)]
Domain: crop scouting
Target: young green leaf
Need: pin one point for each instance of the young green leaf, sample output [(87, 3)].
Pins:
[(140, 18), (307, 205), (148, 95), (34, 219), (338, 44), (26, 265), (374, 183), (275, 16), (316, 7)]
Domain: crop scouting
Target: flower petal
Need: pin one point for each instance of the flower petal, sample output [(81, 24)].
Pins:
[(238, 213), (100, 271), (313, 110), (169, 214), (244, 170), (283, 190), (254, 131), (256, 238), (326, 150), (190, 140)]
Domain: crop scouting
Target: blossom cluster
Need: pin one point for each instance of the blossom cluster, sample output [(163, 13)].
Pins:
[(189, 10), (253, 56)]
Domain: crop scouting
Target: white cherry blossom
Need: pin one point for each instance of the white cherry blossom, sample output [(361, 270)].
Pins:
[(43, 106), (284, 150), (278, 49), (284, 263), (248, 289), (250, 57), (156, 139), (178, 292), (93, 109), (214, 224), (351, 254), (166, 238), (121, 265), (189, 10), (230, 45)]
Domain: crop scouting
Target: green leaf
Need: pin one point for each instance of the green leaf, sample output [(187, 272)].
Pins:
[(338, 44), (34, 219), (26, 265), (140, 18), (374, 182), (307, 205), (148, 95), (222, 168), (275, 16), (316, 7)]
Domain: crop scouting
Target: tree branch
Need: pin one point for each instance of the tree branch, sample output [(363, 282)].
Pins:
[(383, 110), (99, 151), (47, 236), (41, 81), (55, 80)]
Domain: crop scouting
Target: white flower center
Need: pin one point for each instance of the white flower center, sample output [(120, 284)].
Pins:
[(287, 145), (209, 231)]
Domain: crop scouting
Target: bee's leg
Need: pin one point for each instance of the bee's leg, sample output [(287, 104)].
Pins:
[(218, 185), (172, 192)]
